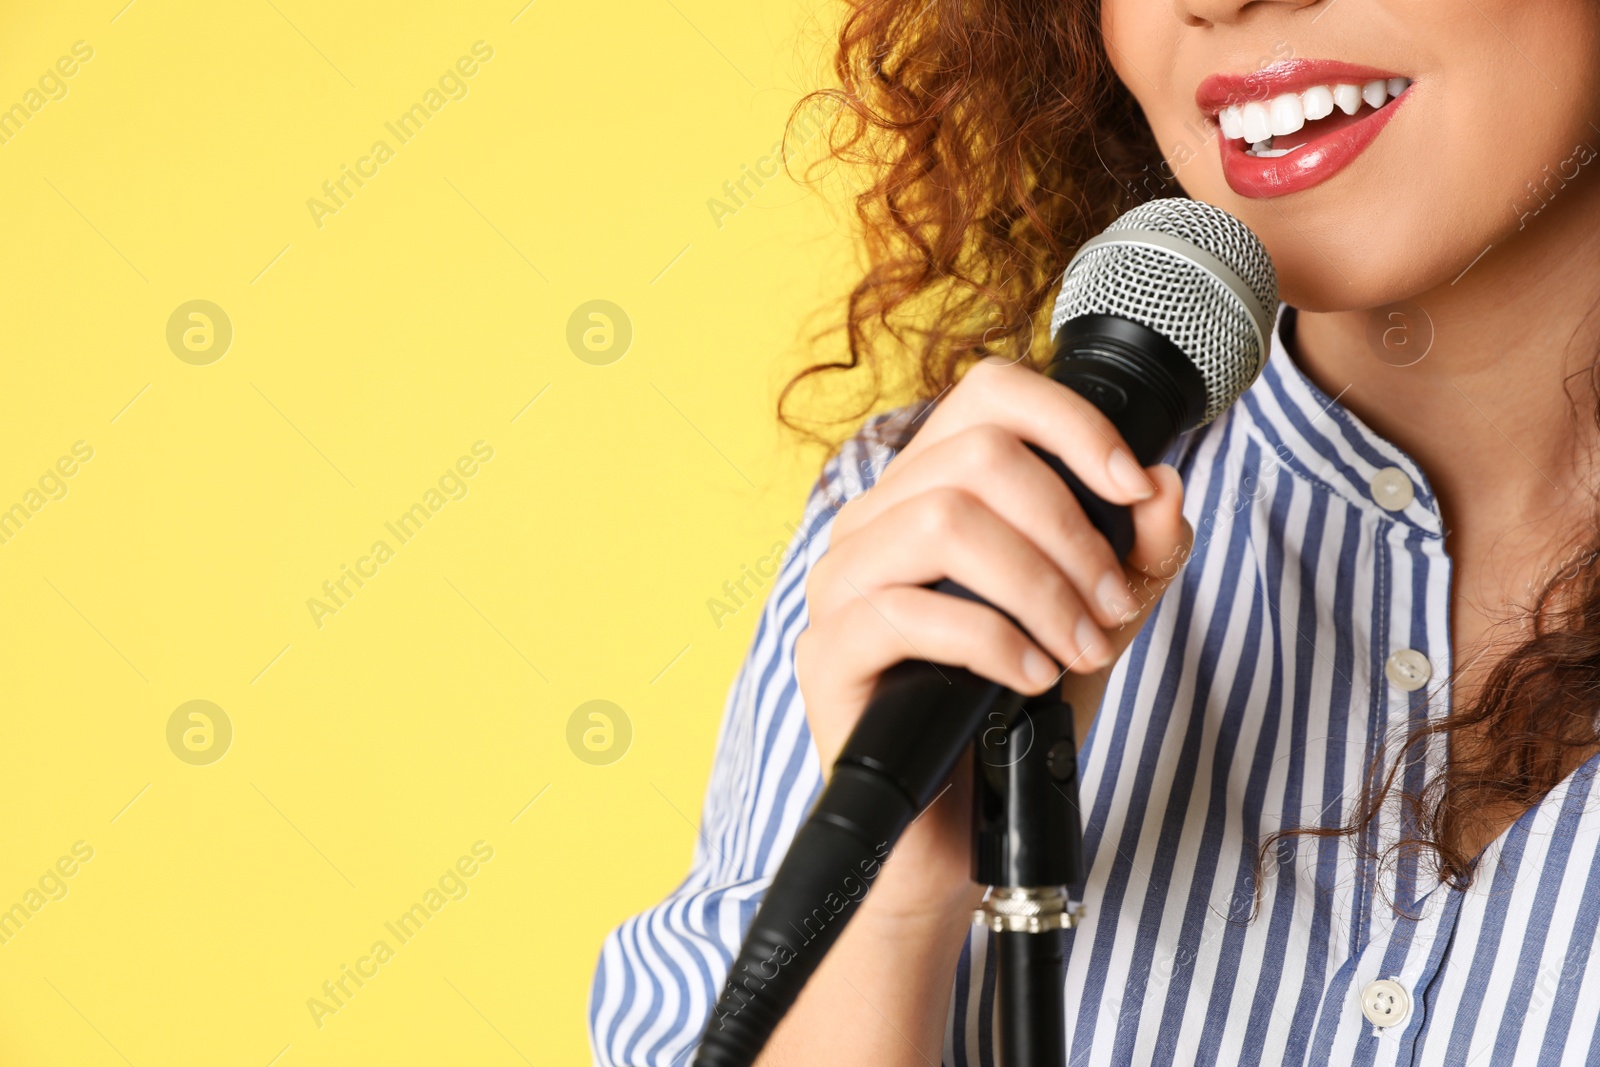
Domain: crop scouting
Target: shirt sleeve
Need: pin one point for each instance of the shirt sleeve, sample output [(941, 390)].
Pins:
[(660, 971)]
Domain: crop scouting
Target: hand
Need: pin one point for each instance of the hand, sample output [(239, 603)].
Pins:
[(967, 500)]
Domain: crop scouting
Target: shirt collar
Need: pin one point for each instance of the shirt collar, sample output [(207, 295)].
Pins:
[(1319, 439)]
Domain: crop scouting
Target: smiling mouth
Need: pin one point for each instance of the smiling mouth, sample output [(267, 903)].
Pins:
[(1274, 128), (1296, 124)]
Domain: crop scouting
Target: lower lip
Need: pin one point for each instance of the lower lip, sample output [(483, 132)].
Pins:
[(1311, 164)]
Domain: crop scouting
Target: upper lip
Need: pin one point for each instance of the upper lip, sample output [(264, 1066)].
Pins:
[(1290, 76)]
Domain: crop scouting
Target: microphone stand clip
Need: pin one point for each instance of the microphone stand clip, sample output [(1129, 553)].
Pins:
[(1028, 847)]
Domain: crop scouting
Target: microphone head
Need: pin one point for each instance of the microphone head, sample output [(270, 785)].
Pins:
[(1191, 272)]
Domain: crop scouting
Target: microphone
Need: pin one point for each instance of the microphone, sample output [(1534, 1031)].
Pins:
[(1161, 322)]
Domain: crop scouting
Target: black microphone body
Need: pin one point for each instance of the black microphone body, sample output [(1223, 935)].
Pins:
[(922, 716)]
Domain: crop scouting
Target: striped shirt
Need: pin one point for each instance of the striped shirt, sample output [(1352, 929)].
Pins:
[(1309, 630)]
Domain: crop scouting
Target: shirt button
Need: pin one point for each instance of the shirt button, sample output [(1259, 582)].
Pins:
[(1408, 669), (1385, 1003), (1392, 490)]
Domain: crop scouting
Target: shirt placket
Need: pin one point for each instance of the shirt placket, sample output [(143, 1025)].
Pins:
[(1376, 1002)]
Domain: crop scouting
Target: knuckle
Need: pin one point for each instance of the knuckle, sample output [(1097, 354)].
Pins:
[(979, 370), (1056, 592), (997, 640), (851, 614), (995, 633), (1054, 582), (865, 627), (984, 375), (991, 449), (942, 513), (1085, 541)]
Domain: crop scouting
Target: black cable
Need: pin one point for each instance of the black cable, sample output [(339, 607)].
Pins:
[(838, 851)]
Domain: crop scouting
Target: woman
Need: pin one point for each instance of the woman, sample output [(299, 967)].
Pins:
[(1337, 791)]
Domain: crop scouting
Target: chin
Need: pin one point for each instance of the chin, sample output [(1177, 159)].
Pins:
[(1351, 274), (1365, 239)]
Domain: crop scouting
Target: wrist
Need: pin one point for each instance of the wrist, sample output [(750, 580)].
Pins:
[(919, 911)]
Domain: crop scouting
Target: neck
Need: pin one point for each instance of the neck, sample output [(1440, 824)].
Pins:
[(1487, 386)]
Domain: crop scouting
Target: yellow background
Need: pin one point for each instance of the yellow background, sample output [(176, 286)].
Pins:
[(368, 354)]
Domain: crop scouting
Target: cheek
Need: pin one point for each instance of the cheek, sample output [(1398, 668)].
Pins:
[(1515, 95), (1141, 39), (1146, 44)]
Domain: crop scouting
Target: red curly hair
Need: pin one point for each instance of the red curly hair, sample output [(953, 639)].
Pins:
[(995, 137)]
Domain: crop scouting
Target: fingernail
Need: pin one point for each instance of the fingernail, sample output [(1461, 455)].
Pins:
[(1126, 473), (1038, 668), (1092, 647), (1115, 597)]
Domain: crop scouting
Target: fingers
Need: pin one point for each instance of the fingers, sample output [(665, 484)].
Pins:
[(1047, 413), (995, 467), (949, 533), (1163, 540), (968, 500), (1162, 536), (871, 633)]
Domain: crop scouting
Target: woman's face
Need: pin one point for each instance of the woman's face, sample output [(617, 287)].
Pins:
[(1493, 132)]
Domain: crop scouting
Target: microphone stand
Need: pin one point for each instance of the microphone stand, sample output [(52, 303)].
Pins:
[(1027, 839)]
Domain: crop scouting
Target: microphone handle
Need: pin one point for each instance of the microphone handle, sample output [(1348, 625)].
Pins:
[(922, 716), (1151, 392)]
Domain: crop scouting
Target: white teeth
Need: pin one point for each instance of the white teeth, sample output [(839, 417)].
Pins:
[(1286, 114), (1318, 102), (1257, 126), (1232, 123)]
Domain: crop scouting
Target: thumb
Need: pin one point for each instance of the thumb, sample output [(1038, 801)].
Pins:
[(1163, 540)]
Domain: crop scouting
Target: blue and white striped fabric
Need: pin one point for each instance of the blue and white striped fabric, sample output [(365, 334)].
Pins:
[(1255, 698)]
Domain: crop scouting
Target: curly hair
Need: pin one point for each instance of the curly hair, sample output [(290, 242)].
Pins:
[(994, 137)]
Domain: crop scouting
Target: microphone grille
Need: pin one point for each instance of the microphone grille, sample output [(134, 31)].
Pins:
[(1191, 272)]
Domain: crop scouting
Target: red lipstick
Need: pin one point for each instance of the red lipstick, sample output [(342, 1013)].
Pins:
[(1316, 152)]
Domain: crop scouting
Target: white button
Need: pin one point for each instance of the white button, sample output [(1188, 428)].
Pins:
[(1385, 1003), (1392, 489), (1408, 669)]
